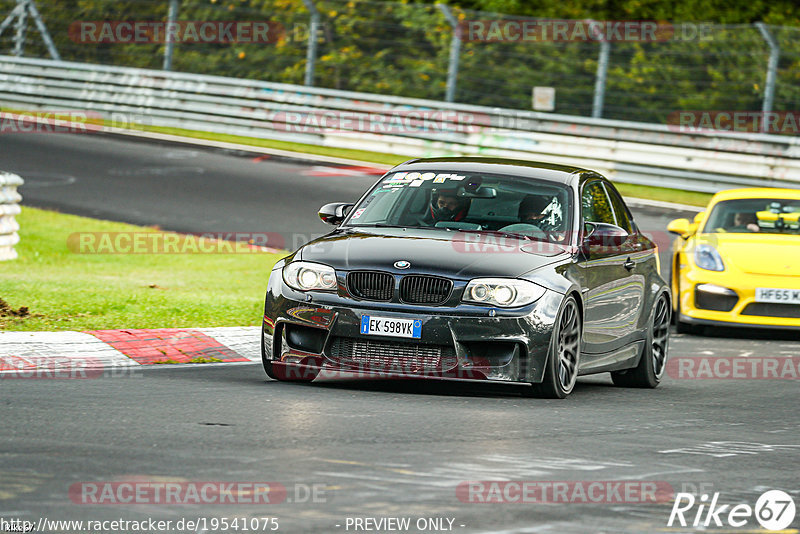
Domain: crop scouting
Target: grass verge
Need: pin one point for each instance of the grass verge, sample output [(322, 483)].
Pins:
[(678, 196), (64, 289)]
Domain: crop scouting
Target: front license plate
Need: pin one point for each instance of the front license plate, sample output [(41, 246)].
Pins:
[(785, 296), (390, 326)]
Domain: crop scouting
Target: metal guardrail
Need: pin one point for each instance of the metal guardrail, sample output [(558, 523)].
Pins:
[(9, 208), (625, 151)]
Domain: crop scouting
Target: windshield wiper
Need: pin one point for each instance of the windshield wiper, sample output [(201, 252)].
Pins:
[(500, 233), (383, 225), (374, 225)]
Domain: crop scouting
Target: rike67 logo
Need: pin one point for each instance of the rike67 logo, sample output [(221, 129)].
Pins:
[(774, 510)]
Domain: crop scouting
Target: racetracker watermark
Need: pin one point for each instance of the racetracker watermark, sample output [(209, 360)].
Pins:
[(44, 121), (67, 121), (554, 30), (135, 492), (156, 242), (564, 492), (734, 368), (735, 121), (62, 368), (541, 242), (189, 32), (298, 367), (385, 122)]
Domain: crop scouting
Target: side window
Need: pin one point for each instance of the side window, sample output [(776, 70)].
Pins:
[(623, 217), (595, 205)]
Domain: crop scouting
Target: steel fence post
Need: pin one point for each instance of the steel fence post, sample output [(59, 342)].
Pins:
[(455, 52), (172, 17), (23, 9), (311, 51), (602, 70), (10, 18), (772, 71), (21, 29), (40, 25)]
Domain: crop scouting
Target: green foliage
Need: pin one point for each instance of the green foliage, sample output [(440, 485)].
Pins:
[(402, 48)]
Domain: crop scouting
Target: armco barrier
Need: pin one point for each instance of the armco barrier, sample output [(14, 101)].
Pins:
[(625, 151), (9, 208)]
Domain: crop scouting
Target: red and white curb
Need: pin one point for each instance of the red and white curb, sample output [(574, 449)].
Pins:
[(345, 170), (31, 354)]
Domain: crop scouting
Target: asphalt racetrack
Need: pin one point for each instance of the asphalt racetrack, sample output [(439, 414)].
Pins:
[(347, 450)]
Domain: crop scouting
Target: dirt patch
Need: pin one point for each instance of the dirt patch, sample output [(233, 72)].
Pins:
[(7, 311)]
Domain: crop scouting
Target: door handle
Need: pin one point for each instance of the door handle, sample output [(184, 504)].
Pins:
[(629, 264)]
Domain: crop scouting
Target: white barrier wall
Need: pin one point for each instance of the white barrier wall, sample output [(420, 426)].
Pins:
[(649, 154), (9, 208)]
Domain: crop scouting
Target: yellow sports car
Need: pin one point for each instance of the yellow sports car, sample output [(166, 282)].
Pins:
[(738, 262)]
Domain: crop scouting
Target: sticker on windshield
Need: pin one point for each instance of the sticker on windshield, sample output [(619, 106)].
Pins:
[(358, 213), (397, 177), (416, 179)]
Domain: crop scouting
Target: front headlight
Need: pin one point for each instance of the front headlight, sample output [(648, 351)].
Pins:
[(307, 276), (503, 292), (706, 257)]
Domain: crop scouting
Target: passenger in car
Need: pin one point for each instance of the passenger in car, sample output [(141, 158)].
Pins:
[(532, 211)]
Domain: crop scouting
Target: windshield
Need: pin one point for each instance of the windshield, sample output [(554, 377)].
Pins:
[(755, 215), (524, 207)]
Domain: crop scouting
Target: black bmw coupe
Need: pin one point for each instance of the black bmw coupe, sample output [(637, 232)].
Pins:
[(474, 269)]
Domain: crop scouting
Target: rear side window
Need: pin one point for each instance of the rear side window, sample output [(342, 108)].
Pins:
[(595, 204), (623, 217)]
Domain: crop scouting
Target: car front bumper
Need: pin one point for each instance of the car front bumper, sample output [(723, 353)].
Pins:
[(462, 342), (746, 311)]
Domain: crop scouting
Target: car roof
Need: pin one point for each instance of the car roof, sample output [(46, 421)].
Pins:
[(755, 192), (561, 174)]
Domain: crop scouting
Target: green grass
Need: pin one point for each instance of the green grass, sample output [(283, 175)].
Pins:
[(66, 290), (300, 148), (679, 196)]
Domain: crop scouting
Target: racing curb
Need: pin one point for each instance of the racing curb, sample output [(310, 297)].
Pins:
[(72, 354)]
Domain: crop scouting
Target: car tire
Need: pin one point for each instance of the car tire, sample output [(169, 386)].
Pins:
[(653, 360), (563, 355), (286, 372)]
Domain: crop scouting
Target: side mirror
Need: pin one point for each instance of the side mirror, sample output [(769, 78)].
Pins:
[(679, 226), (603, 235), (334, 213)]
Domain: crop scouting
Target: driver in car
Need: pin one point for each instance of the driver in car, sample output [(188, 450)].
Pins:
[(745, 221), (446, 206)]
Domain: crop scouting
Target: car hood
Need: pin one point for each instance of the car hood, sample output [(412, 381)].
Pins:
[(451, 254), (776, 254)]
